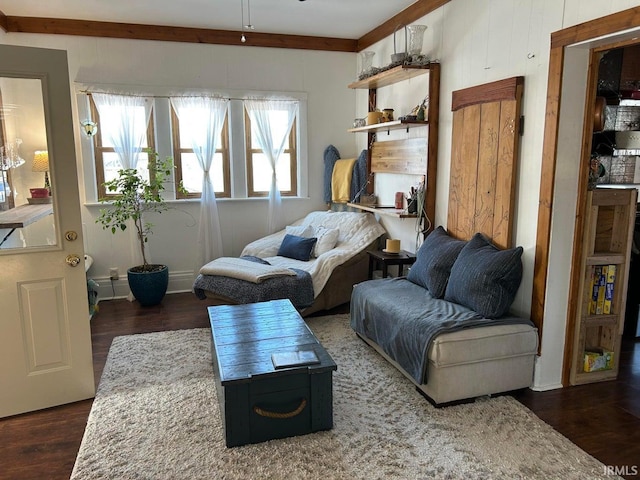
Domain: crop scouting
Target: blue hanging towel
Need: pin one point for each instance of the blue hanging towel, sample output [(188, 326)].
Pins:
[(331, 154)]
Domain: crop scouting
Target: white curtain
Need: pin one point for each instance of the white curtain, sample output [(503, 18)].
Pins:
[(127, 117), (201, 121), (272, 139), (123, 113)]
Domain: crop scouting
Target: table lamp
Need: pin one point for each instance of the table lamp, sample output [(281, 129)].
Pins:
[(41, 164)]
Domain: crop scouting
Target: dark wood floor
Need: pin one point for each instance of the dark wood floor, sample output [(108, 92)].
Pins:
[(603, 419)]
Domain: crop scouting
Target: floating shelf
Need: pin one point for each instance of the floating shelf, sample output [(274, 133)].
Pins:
[(391, 76), (605, 258), (389, 211), (394, 125)]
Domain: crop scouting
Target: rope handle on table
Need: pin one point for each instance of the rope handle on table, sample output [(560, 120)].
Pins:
[(293, 413)]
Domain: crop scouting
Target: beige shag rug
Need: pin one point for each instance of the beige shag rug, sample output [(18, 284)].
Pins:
[(156, 416)]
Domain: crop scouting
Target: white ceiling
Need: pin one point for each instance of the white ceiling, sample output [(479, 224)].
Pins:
[(324, 18)]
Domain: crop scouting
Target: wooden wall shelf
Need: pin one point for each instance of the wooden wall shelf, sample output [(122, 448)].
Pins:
[(388, 211), (394, 125), (391, 76)]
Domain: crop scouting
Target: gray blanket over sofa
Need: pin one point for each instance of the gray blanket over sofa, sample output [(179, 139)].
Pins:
[(298, 288), (403, 319)]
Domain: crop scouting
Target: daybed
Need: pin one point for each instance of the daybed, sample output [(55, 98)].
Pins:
[(446, 325), (337, 261)]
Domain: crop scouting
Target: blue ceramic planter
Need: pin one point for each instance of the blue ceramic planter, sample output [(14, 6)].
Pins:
[(149, 287)]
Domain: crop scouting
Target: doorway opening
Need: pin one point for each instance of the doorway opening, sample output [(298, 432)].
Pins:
[(615, 148)]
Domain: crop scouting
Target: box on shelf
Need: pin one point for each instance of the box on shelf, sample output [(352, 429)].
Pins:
[(596, 359)]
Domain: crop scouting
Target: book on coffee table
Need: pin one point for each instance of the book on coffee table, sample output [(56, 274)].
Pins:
[(294, 358)]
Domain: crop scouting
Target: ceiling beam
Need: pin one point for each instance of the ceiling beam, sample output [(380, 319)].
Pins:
[(135, 31), (405, 17), (3, 22)]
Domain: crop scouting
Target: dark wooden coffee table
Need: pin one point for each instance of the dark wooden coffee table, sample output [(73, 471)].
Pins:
[(257, 401)]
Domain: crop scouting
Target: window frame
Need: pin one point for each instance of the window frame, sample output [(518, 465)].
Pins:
[(292, 150), (99, 150), (177, 158)]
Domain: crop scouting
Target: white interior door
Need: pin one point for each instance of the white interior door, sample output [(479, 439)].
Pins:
[(45, 338)]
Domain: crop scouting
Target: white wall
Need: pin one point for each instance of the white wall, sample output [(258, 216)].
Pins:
[(323, 76), (476, 41)]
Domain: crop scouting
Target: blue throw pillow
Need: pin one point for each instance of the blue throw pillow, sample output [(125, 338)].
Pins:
[(485, 278), (298, 248), (434, 261)]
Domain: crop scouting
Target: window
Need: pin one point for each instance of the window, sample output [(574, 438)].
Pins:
[(258, 166), (107, 162), (188, 171), (240, 169)]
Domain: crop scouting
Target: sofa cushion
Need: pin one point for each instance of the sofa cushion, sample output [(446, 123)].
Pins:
[(298, 248), (485, 278), (434, 260), (305, 231), (327, 239), (473, 345)]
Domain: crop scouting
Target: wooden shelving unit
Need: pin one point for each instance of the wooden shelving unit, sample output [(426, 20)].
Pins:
[(387, 78), (388, 211), (607, 239)]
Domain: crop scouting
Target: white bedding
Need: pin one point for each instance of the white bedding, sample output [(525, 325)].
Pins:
[(357, 231), (243, 270)]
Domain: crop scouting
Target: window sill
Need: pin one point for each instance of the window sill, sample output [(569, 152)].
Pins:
[(182, 201)]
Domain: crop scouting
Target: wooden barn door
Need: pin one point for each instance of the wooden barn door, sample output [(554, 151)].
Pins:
[(484, 152)]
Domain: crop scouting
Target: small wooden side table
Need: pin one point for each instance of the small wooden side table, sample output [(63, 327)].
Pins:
[(378, 257)]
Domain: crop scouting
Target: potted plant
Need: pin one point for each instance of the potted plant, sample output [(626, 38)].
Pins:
[(136, 196)]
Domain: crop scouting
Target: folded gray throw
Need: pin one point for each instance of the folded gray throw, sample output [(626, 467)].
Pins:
[(298, 288)]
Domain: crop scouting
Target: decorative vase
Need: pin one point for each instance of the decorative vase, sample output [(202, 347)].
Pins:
[(366, 61), (149, 288), (399, 56), (416, 35)]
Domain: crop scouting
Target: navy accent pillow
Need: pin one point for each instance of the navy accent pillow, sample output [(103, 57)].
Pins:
[(298, 248), (434, 260), (485, 278)]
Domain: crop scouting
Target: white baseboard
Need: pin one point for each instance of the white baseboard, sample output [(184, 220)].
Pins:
[(179, 282), (545, 388)]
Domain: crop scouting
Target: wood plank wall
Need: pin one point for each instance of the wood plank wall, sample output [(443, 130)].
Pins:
[(400, 156), (484, 158)]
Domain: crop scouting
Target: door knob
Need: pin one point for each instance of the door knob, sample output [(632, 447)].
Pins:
[(71, 235), (72, 260)]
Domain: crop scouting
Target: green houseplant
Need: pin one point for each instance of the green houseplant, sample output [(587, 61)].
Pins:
[(136, 196)]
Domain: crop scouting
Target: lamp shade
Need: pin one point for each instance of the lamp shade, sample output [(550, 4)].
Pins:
[(40, 161)]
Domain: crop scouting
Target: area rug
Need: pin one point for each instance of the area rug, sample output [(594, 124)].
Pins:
[(156, 416)]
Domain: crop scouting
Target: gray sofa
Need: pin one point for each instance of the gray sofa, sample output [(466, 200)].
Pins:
[(447, 325)]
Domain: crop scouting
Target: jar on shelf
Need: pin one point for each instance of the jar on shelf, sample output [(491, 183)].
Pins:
[(415, 37), (366, 61)]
